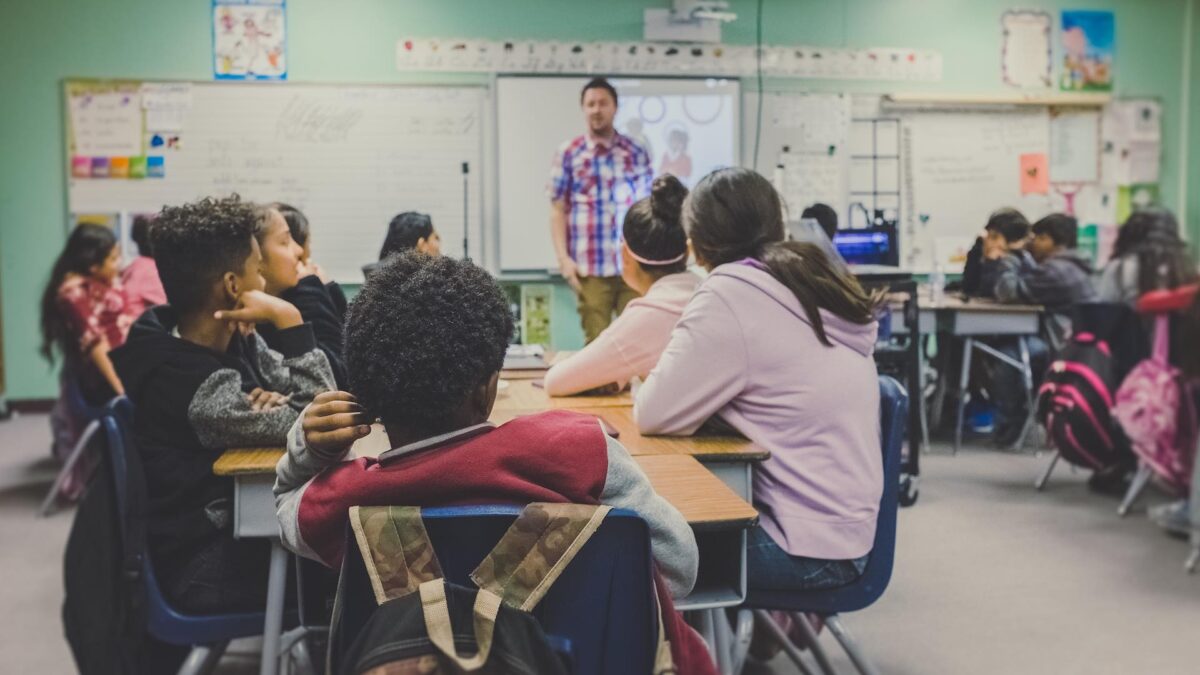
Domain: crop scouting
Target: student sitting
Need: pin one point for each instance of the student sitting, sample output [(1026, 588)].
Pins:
[(143, 288), (298, 226), (825, 216), (1058, 279), (84, 316), (1001, 246), (1148, 255), (286, 277), (777, 343), (201, 384), (425, 342), (407, 232), (654, 263)]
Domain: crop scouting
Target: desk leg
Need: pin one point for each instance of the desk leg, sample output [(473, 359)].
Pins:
[(964, 381), (273, 626), (1027, 375), (724, 647)]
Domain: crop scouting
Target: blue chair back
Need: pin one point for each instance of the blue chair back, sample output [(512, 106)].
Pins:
[(893, 416), (602, 609), (163, 622)]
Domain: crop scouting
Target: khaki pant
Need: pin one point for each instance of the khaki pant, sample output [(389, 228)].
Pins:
[(599, 299)]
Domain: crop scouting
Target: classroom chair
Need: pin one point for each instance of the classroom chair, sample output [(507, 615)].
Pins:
[(829, 604), (78, 407), (601, 612), (206, 635)]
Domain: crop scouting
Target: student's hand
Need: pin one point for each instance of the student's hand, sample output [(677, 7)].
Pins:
[(262, 400), (333, 422), (258, 307), (610, 389), (994, 248), (570, 271), (310, 268)]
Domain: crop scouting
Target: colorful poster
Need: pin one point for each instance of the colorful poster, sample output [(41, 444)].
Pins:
[(105, 121), (1088, 42), (250, 39), (1025, 54), (1130, 198), (1035, 176)]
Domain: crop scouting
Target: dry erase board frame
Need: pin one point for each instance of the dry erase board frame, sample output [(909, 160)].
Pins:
[(349, 220)]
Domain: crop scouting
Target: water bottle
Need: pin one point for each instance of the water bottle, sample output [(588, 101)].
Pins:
[(937, 285)]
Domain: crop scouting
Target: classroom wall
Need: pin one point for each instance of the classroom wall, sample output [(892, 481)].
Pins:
[(354, 41), (1193, 136)]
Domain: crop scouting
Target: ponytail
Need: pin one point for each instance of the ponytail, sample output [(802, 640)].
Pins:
[(819, 284)]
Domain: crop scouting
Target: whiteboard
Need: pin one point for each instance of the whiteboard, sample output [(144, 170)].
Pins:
[(536, 115), (349, 157), (803, 147), (959, 167)]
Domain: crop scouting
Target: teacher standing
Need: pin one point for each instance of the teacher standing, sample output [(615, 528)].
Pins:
[(595, 178)]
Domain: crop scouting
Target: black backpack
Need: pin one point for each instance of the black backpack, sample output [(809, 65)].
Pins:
[(1075, 402), (423, 624)]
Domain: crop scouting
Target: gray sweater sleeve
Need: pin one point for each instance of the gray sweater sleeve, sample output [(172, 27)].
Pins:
[(299, 370), (295, 470), (671, 538), (221, 415)]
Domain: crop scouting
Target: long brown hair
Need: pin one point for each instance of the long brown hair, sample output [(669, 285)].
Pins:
[(87, 246), (733, 214)]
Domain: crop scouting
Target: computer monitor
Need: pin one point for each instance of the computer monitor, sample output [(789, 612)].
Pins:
[(868, 246)]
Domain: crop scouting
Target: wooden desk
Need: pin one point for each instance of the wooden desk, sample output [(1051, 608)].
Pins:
[(973, 316), (521, 395)]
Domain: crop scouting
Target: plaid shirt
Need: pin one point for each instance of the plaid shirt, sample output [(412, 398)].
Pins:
[(599, 184)]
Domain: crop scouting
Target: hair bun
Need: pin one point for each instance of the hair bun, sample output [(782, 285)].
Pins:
[(666, 198)]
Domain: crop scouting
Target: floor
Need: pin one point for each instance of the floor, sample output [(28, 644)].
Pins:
[(991, 576)]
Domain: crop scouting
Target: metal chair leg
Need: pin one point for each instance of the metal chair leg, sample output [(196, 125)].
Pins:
[(724, 644), (202, 659), (857, 657), (743, 633), (81, 445), (1041, 482), (1135, 490), (814, 647), (964, 380), (1193, 559), (790, 649)]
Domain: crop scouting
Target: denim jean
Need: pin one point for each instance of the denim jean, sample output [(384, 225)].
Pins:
[(1008, 384), (774, 569)]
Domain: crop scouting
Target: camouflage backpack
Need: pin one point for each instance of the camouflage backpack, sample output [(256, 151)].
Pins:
[(425, 625)]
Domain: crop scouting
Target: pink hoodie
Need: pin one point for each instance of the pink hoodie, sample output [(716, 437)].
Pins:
[(745, 350), (631, 345)]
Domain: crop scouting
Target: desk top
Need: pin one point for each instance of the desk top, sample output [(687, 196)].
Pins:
[(957, 303), (521, 395), (705, 448), (699, 495)]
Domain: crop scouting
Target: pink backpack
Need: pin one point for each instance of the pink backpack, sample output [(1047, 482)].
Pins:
[(1148, 408)]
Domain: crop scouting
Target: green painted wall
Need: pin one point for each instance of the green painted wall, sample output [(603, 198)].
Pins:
[(1193, 175), (354, 41)]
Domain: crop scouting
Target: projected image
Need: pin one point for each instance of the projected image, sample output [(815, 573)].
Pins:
[(686, 134)]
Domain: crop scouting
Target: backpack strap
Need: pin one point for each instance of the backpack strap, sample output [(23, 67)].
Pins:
[(535, 550), (395, 549), (1162, 337)]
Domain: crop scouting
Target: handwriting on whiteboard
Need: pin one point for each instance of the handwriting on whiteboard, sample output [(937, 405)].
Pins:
[(309, 120)]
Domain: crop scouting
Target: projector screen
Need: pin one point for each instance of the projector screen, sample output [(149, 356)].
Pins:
[(689, 127)]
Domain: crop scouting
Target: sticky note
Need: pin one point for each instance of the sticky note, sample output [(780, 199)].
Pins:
[(99, 167), (118, 167), (1035, 174), (137, 167), (155, 167), (81, 167)]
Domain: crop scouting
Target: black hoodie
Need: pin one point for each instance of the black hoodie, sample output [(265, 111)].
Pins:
[(191, 406), (323, 306)]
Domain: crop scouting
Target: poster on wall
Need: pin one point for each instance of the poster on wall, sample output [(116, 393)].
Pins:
[(1026, 49), (249, 39), (1088, 46)]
